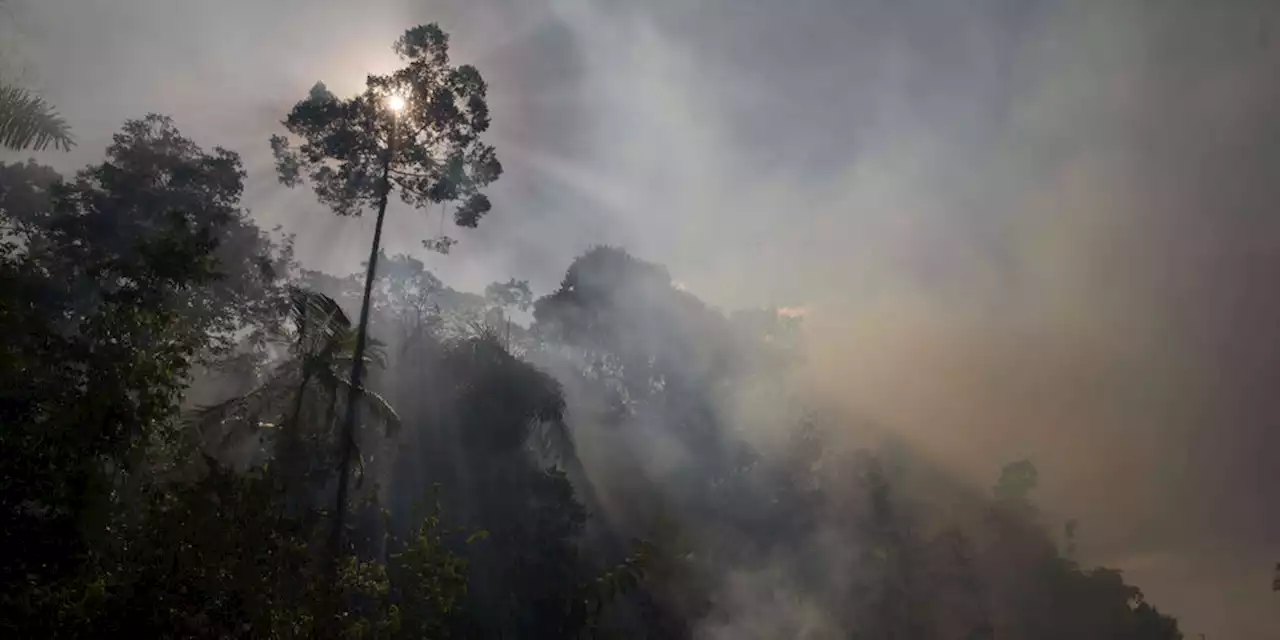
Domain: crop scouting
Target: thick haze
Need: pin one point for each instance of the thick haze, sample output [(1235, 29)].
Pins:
[(1021, 228)]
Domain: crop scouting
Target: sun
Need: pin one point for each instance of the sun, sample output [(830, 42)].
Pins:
[(395, 102)]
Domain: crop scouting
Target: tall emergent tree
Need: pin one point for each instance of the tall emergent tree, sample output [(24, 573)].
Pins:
[(414, 132)]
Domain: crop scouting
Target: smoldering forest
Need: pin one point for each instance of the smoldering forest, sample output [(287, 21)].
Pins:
[(687, 320)]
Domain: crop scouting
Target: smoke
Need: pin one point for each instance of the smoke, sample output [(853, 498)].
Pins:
[(1017, 228), (766, 607), (1034, 230)]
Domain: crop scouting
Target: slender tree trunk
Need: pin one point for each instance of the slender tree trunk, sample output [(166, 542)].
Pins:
[(330, 423), (346, 444), (291, 430), (290, 453), (294, 425)]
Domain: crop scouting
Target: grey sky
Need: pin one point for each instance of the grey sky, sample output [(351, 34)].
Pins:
[(1022, 227)]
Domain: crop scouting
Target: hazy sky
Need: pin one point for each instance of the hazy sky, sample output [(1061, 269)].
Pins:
[(1023, 227)]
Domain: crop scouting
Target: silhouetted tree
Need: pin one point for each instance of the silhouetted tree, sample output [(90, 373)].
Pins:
[(1042, 594), (524, 578), (504, 297), (114, 288), (414, 132)]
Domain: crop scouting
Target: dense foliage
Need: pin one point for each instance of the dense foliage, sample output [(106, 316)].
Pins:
[(170, 387)]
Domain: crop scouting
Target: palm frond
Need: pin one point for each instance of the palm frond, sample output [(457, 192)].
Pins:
[(28, 122), (321, 348), (319, 319), (341, 352), (230, 422), (371, 401), (382, 410), (373, 358), (318, 305)]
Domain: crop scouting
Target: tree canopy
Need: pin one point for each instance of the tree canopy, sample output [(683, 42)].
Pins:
[(430, 147)]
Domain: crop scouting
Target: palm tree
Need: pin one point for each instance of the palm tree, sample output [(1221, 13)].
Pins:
[(311, 380), (27, 121)]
